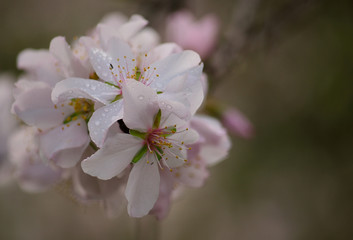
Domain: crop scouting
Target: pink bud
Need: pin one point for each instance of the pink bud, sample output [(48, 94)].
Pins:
[(237, 123), (189, 33)]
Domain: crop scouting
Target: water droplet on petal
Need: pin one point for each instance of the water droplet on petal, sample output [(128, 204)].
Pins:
[(169, 107), (87, 84), (141, 97)]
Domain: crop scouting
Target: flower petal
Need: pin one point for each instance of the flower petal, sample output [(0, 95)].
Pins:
[(124, 61), (142, 188), (140, 105), (65, 146), (40, 63), (171, 67), (84, 88), (102, 119), (34, 107), (115, 155), (145, 40), (134, 25), (70, 65), (187, 89), (101, 64), (160, 52)]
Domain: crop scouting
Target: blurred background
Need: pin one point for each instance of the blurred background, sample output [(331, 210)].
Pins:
[(289, 71)]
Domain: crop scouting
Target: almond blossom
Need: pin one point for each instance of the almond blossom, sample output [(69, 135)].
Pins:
[(176, 77), (155, 139), (198, 35)]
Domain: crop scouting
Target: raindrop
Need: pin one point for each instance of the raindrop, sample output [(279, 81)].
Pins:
[(141, 97), (169, 107), (87, 84)]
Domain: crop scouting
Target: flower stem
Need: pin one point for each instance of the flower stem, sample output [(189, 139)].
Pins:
[(146, 228)]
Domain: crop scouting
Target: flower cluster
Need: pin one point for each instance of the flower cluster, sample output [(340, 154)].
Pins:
[(112, 117)]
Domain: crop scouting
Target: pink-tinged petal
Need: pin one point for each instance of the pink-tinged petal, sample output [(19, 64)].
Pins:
[(162, 205), (101, 64), (200, 36), (102, 119), (160, 52), (237, 123), (84, 88), (145, 40), (171, 67), (193, 173), (124, 61), (142, 188), (64, 145), (41, 64), (132, 27), (68, 63), (140, 105), (35, 108), (115, 155)]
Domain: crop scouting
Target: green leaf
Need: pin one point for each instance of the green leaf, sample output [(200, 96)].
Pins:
[(111, 84), (139, 154), (118, 97), (137, 134), (157, 119)]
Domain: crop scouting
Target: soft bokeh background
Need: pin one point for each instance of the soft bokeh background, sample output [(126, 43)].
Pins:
[(293, 79)]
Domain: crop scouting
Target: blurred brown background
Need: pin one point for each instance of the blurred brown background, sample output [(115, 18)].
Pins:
[(292, 78)]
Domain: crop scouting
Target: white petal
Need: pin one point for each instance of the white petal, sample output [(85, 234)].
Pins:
[(124, 61), (193, 174), (65, 146), (102, 119), (175, 157), (140, 105), (101, 64), (187, 89), (84, 88), (34, 107), (115, 155), (189, 136), (70, 65), (171, 67), (215, 141), (40, 63), (145, 40), (130, 28), (160, 52), (142, 188)]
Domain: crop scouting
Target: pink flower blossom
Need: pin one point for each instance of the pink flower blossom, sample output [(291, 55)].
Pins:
[(174, 76), (155, 139), (237, 123), (200, 36)]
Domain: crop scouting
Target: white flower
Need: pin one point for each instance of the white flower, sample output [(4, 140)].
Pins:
[(174, 76), (155, 139), (30, 170), (64, 135)]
